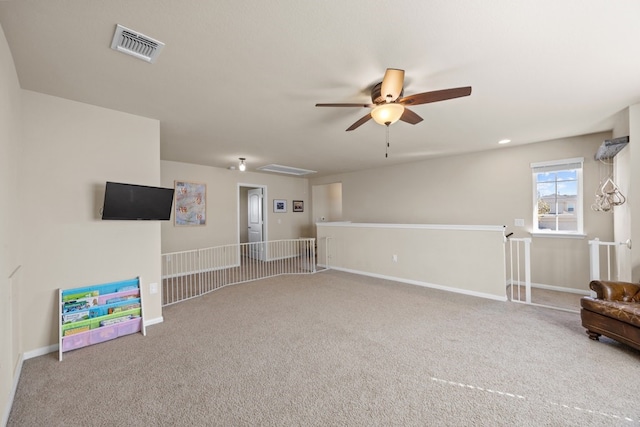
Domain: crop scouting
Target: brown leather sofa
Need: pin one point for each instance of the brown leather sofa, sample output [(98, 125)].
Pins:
[(614, 312)]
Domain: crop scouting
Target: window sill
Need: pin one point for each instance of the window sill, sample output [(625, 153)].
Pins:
[(559, 235)]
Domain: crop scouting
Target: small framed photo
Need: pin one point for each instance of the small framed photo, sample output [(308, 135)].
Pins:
[(298, 206), (279, 205)]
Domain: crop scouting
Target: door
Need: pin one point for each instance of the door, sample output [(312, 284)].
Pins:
[(255, 222)]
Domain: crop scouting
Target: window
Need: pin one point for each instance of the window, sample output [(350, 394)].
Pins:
[(557, 196)]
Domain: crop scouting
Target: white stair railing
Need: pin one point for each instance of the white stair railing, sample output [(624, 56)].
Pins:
[(519, 269), (190, 274), (596, 247)]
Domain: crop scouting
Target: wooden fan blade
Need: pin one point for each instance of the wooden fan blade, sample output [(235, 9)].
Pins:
[(410, 117), (435, 96), (360, 122), (392, 84), (346, 105)]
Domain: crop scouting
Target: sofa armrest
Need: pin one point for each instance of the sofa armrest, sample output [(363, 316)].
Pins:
[(616, 291)]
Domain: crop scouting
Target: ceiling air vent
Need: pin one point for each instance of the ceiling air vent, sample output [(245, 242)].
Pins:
[(285, 169), (136, 44)]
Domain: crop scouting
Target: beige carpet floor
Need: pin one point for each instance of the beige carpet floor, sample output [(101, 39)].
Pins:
[(336, 349)]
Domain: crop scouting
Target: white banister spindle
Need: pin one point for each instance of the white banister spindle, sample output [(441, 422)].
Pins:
[(527, 268), (520, 259), (594, 259), (608, 262), (595, 262)]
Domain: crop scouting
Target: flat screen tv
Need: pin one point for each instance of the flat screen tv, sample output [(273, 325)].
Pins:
[(137, 202)]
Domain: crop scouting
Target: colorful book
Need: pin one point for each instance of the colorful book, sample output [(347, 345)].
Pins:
[(119, 299), (82, 295), (75, 316), (73, 331), (109, 322), (124, 308), (73, 306)]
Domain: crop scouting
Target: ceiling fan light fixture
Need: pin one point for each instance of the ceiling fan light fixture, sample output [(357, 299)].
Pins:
[(387, 113), (242, 166)]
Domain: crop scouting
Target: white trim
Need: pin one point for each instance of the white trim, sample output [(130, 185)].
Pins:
[(558, 162), (150, 322), (14, 388), (265, 211), (558, 234), (424, 284), (579, 196), (54, 347), (40, 351), (551, 287), (321, 223), (568, 310), (414, 226), (203, 270), (561, 289)]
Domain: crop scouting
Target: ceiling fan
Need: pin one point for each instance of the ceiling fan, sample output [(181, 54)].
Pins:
[(390, 105)]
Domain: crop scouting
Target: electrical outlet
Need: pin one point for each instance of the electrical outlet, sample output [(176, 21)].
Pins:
[(395, 258), (153, 288), (518, 222)]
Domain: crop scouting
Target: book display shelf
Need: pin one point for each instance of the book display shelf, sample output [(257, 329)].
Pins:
[(94, 314)]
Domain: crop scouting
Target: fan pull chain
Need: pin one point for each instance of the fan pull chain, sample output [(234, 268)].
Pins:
[(386, 153)]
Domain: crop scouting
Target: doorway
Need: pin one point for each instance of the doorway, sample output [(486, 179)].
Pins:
[(252, 218), (326, 205)]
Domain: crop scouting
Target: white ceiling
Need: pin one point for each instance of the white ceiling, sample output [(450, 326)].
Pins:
[(241, 78)]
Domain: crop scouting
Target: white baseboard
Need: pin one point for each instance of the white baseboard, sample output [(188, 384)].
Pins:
[(556, 288), (54, 347), (40, 351), (561, 289), (426, 285), (12, 395), (149, 322)]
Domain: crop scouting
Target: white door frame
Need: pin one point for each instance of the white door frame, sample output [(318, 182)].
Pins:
[(264, 209)]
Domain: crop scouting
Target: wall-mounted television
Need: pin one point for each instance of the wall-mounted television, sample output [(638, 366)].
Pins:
[(137, 202)]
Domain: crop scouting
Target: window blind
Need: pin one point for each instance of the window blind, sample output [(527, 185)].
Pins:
[(557, 165)]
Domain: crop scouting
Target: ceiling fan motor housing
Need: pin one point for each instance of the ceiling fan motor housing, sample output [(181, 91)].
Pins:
[(376, 94)]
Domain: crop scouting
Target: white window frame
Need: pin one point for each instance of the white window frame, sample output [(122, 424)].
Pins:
[(577, 164)]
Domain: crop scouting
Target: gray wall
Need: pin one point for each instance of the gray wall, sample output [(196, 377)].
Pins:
[(223, 209), (487, 188), (68, 151), (10, 337)]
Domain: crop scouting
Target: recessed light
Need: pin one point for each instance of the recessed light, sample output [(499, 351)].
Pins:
[(504, 141)]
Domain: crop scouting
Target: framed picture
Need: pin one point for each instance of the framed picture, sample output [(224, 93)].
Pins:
[(279, 205), (298, 206), (190, 203)]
